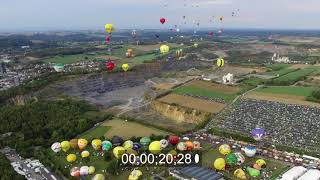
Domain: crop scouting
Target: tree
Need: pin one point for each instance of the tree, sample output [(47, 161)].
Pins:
[(113, 167)]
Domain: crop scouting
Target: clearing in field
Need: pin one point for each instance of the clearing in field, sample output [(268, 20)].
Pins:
[(282, 98), (194, 103), (127, 129), (213, 86)]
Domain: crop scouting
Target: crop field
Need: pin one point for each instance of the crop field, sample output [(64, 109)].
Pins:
[(296, 75), (127, 129), (68, 59), (194, 103), (279, 72), (186, 90), (213, 86), (289, 90)]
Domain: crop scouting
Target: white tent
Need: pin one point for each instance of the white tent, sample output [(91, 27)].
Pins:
[(312, 174), (294, 173)]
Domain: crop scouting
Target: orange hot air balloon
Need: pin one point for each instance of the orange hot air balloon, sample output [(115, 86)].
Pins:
[(82, 143), (74, 143)]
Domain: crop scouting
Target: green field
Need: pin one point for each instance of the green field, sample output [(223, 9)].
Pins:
[(296, 75), (69, 58), (277, 167), (96, 132), (204, 92), (253, 81), (290, 90), (279, 72), (276, 67)]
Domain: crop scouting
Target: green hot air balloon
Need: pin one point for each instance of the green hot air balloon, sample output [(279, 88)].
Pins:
[(253, 172), (145, 141), (231, 159)]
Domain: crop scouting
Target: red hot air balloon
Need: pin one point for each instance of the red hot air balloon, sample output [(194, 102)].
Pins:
[(162, 20), (173, 140), (210, 34), (108, 38), (110, 66)]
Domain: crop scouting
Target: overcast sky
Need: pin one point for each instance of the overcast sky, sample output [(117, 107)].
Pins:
[(135, 14)]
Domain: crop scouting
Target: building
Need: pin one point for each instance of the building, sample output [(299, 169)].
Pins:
[(311, 174), (195, 173), (294, 173), (227, 79), (277, 58)]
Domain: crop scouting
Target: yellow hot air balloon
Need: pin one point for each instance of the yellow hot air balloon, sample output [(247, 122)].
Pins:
[(164, 49), (85, 154), (82, 143), (98, 177), (65, 146), (96, 144), (109, 28), (118, 151), (125, 67), (155, 147), (225, 149), (128, 144), (219, 164), (220, 62), (240, 174), (135, 175), (92, 169), (131, 151), (262, 163), (71, 158)]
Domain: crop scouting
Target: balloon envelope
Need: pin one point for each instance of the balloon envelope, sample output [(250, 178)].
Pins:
[(155, 147), (220, 62), (231, 159), (84, 171), (56, 147), (82, 143), (224, 149), (118, 151), (71, 158), (128, 144), (109, 28), (98, 177), (110, 65), (173, 140), (253, 172), (262, 163), (219, 164), (257, 133), (164, 143), (240, 174), (106, 145), (136, 146), (196, 145), (145, 141), (240, 158), (125, 67), (65, 146), (135, 175), (181, 146), (74, 143), (189, 145), (250, 151), (162, 20), (164, 49), (117, 141), (92, 169), (75, 172), (96, 144), (85, 154)]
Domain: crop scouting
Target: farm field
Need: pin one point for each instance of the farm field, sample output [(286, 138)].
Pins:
[(128, 129), (296, 75), (279, 72), (289, 90), (67, 59), (195, 103), (213, 86), (204, 93), (96, 132)]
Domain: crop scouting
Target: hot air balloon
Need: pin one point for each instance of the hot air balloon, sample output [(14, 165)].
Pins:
[(240, 158), (65, 146), (155, 147), (196, 145), (92, 169), (84, 171), (262, 163), (110, 65), (220, 62), (85, 154), (58, 67), (74, 143), (98, 177), (128, 144), (96, 144), (135, 175), (225, 149), (134, 34), (109, 28), (257, 133), (125, 67), (173, 140), (219, 164), (240, 174), (189, 145), (108, 38), (181, 146), (195, 45), (250, 151), (164, 49), (145, 141), (129, 53), (82, 143), (56, 147), (221, 18), (210, 34), (131, 151), (75, 172), (256, 166), (71, 158), (231, 159), (157, 35), (117, 141), (136, 146), (164, 143), (106, 145), (118, 151), (253, 172), (162, 20)]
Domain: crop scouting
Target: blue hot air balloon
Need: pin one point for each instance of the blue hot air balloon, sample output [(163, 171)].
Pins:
[(257, 133)]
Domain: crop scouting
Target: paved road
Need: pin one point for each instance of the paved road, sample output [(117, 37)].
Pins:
[(44, 174)]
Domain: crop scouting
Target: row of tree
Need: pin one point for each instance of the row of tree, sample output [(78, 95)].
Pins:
[(6, 170)]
